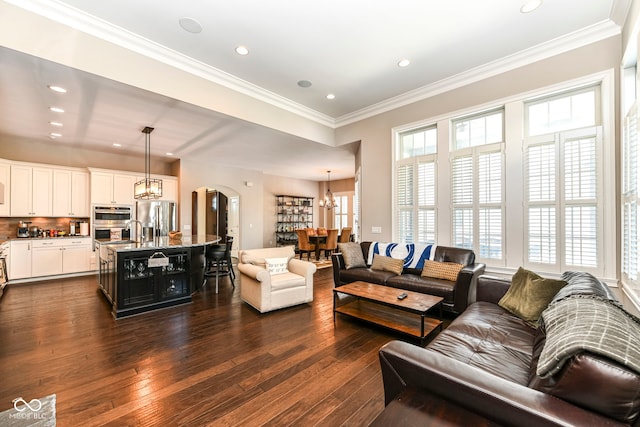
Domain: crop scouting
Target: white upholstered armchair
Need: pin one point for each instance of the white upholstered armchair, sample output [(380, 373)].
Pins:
[(272, 278)]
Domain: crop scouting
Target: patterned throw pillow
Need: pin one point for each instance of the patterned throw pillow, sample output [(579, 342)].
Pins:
[(441, 270), (385, 263), (352, 255), (277, 265)]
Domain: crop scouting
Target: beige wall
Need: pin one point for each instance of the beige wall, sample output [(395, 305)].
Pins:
[(274, 185), (56, 153), (375, 133)]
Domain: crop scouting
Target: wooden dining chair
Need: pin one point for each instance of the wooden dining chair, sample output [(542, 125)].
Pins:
[(304, 246), (345, 235), (331, 244)]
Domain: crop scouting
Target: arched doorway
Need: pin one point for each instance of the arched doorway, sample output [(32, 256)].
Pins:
[(216, 210)]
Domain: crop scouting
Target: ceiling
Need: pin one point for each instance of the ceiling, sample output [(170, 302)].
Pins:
[(349, 49)]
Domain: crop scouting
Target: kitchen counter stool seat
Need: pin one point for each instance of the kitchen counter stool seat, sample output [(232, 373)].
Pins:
[(217, 257)]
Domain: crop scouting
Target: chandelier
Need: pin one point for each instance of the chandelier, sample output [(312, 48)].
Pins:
[(147, 188), (329, 201)]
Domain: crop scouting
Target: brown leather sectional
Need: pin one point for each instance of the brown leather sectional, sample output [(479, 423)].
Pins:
[(482, 370), (456, 294)]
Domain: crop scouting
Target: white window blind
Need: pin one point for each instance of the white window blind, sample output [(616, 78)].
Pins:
[(426, 225), (562, 182), (462, 192), (415, 186), (477, 184), (630, 193)]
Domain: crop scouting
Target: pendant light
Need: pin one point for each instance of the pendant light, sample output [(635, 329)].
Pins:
[(147, 188), (329, 201)]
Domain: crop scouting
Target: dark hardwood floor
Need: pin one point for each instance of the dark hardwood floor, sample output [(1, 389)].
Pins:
[(216, 361)]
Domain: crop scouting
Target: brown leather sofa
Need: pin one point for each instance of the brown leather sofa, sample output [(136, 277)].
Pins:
[(481, 370), (456, 294)]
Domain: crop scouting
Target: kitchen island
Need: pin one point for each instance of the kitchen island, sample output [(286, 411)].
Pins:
[(154, 274)]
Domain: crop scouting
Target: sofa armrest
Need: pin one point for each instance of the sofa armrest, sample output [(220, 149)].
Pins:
[(491, 288), (255, 272), (405, 365), (465, 290), (338, 264)]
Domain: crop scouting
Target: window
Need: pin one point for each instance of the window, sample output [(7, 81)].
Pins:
[(524, 184), (477, 180), (415, 184), (630, 198), (562, 112), (563, 210), (356, 207), (341, 212)]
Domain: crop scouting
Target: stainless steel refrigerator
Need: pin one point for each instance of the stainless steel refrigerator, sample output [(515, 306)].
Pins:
[(162, 216)]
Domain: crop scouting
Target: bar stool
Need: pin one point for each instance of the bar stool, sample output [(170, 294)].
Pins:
[(229, 262), (216, 259)]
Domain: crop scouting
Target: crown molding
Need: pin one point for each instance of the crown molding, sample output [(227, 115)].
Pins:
[(101, 29), (74, 18), (542, 51)]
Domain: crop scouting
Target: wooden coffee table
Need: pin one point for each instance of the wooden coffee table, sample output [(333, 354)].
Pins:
[(380, 305)]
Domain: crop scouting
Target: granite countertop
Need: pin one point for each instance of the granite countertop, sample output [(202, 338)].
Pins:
[(163, 243)]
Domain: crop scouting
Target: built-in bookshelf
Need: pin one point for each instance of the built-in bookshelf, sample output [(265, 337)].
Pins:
[(292, 213)]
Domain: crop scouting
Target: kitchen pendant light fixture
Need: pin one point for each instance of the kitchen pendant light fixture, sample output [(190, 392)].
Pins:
[(329, 201), (147, 188)]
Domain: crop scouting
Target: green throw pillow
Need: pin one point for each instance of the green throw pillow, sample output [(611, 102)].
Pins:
[(529, 294)]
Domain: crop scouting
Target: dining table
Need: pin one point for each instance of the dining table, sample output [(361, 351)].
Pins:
[(317, 239)]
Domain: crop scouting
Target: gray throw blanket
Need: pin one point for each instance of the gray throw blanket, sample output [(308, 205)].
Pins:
[(586, 323)]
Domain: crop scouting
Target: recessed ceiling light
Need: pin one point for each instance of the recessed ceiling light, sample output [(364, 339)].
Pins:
[(530, 6), (169, 154), (403, 63), (242, 50), (54, 135), (331, 96), (304, 83), (55, 124), (57, 89), (115, 144), (190, 25), (56, 109)]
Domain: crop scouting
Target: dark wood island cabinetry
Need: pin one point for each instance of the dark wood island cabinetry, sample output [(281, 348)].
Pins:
[(141, 277)]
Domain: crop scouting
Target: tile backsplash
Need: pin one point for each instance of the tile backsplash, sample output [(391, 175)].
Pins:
[(9, 226)]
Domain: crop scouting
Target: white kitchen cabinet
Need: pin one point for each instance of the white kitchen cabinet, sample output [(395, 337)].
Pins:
[(109, 188), (20, 259), (60, 256), (76, 256), (123, 189), (46, 258), (5, 180), (31, 191), (70, 193)]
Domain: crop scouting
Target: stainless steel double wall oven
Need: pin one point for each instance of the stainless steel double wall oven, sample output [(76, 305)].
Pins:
[(109, 222)]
